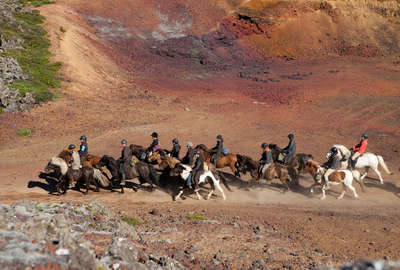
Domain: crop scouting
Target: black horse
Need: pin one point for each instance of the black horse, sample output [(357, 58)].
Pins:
[(145, 172), (247, 164)]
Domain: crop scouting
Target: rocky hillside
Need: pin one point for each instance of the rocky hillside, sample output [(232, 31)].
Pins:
[(91, 236), (25, 71)]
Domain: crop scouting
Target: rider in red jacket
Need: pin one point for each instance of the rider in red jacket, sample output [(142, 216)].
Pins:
[(359, 149)]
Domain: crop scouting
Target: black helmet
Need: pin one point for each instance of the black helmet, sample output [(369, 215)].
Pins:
[(263, 145), (154, 135), (197, 152), (290, 136), (83, 137), (124, 141), (175, 140), (71, 146), (365, 136), (334, 150), (219, 137)]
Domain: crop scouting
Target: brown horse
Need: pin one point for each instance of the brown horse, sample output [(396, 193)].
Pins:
[(229, 160), (279, 171), (91, 161), (66, 155), (163, 160)]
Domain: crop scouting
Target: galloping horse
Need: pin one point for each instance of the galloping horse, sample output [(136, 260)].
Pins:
[(69, 175), (209, 176), (141, 170), (163, 160), (366, 160), (229, 160), (344, 177), (247, 164), (279, 171)]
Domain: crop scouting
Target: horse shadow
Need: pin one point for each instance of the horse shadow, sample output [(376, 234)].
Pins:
[(248, 185), (51, 182), (387, 186)]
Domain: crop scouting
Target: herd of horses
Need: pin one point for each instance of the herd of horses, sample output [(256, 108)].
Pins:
[(161, 170)]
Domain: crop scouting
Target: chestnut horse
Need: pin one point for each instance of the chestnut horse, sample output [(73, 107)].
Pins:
[(279, 171), (229, 160), (91, 160)]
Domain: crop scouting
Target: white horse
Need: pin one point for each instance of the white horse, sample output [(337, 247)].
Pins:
[(366, 160), (202, 179)]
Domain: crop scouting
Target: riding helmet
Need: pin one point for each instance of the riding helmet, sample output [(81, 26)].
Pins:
[(334, 150), (71, 146), (189, 144), (219, 137), (263, 145), (290, 136), (365, 136), (175, 140), (154, 135), (83, 137), (124, 141), (197, 152)]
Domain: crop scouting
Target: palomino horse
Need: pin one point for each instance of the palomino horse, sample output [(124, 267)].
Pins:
[(185, 170), (279, 171), (163, 160), (69, 175), (367, 160), (344, 177), (229, 160)]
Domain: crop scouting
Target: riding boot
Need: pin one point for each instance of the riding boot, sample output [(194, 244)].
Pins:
[(122, 179)]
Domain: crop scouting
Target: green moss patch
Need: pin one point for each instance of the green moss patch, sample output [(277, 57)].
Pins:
[(33, 56), (131, 221), (24, 132), (196, 217)]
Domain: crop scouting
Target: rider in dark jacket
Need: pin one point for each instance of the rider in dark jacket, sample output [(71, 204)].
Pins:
[(332, 164), (125, 160), (154, 143), (176, 148), (198, 169), (83, 149), (265, 160), (290, 149), (188, 158), (217, 150)]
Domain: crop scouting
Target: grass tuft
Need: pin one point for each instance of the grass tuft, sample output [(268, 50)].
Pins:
[(36, 3), (196, 217), (62, 29), (24, 132), (131, 221), (33, 56)]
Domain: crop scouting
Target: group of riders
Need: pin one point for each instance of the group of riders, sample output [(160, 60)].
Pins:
[(194, 158)]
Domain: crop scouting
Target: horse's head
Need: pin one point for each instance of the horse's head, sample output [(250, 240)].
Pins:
[(177, 170)]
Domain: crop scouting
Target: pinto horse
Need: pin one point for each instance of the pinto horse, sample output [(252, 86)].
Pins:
[(229, 160), (344, 177), (367, 160)]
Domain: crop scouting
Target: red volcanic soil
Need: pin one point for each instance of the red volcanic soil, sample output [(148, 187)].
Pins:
[(252, 71)]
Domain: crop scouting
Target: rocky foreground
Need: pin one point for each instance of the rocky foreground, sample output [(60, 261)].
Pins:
[(91, 236)]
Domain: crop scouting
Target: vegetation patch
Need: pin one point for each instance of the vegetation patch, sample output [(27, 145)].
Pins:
[(36, 3), (196, 217), (24, 132), (131, 221), (33, 55)]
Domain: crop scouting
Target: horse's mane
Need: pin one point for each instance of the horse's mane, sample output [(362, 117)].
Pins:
[(58, 161), (66, 155), (202, 147), (313, 163)]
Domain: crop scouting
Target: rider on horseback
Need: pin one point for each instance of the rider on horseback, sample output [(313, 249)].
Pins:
[(290, 149), (75, 159), (83, 149), (125, 160), (332, 164), (197, 170), (265, 160), (176, 148), (188, 158), (358, 149), (217, 150)]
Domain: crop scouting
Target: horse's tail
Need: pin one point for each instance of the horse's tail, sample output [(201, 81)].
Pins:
[(383, 165), (154, 177), (103, 181)]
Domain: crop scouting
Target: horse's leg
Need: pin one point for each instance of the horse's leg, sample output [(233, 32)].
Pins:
[(379, 174), (324, 187), (198, 195), (343, 192), (179, 194), (216, 183), (212, 188), (365, 173), (350, 186)]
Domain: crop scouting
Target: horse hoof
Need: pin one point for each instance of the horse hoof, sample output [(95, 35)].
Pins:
[(322, 198)]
